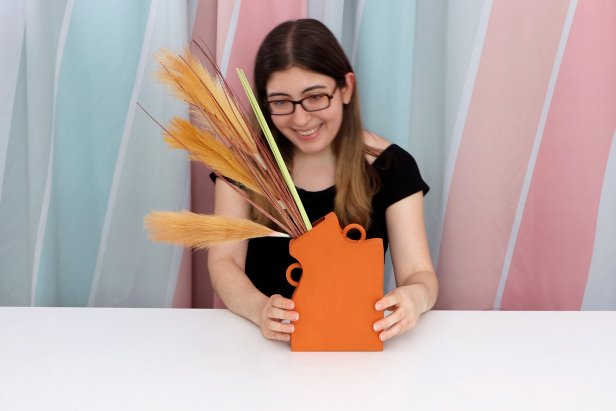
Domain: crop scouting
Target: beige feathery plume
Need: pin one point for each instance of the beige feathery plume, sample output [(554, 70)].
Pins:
[(222, 136), (202, 231), (205, 148), (191, 82)]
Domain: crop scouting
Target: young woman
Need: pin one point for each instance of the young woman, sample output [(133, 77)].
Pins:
[(307, 90)]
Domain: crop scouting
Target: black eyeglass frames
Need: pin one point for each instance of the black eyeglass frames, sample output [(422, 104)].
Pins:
[(314, 102)]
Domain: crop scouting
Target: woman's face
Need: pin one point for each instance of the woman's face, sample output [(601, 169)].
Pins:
[(309, 131)]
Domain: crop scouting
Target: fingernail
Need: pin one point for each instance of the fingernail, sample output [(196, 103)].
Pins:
[(382, 337), (376, 327), (296, 317), (378, 307), (292, 328)]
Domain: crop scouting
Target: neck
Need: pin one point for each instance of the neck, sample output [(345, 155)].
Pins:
[(314, 171)]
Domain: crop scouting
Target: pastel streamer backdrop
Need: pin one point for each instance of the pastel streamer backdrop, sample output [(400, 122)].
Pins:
[(508, 107)]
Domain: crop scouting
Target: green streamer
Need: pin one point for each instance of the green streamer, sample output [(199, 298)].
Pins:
[(272, 144)]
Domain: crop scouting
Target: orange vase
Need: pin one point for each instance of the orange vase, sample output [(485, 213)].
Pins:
[(341, 281)]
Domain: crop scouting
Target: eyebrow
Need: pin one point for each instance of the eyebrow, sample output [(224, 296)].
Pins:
[(306, 90)]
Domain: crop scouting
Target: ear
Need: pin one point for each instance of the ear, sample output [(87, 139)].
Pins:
[(349, 87)]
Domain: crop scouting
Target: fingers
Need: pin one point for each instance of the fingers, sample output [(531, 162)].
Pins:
[(389, 300), (391, 332), (395, 323), (276, 316), (389, 320), (279, 301), (277, 336), (390, 325), (403, 317), (280, 309), (276, 330)]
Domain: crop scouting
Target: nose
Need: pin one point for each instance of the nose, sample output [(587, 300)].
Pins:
[(300, 116)]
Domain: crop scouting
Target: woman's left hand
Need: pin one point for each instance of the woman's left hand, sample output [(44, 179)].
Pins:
[(406, 304)]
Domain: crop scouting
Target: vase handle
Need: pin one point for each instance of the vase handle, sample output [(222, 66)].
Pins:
[(289, 270), (354, 227)]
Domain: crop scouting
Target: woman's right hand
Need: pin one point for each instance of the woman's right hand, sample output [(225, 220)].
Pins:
[(276, 310)]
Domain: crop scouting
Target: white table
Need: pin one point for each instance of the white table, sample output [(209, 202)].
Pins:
[(171, 359)]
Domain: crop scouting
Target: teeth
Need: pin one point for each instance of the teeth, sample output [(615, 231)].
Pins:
[(308, 132)]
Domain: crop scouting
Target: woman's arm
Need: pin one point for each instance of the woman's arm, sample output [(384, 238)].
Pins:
[(417, 285), (226, 265)]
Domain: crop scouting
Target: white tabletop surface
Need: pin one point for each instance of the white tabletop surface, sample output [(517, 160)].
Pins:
[(172, 359)]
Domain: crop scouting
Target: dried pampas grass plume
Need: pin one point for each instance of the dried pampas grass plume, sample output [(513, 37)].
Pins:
[(203, 231), (222, 136)]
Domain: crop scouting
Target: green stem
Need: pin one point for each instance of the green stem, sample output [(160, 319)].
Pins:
[(272, 144)]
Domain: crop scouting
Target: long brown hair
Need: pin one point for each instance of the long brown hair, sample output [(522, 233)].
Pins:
[(310, 45)]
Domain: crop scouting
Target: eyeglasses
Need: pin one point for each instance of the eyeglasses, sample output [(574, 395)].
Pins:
[(314, 102)]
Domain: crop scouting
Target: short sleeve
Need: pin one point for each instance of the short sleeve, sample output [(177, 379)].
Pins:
[(399, 174), (214, 177)]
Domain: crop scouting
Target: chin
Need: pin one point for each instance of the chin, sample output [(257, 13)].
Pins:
[(311, 148)]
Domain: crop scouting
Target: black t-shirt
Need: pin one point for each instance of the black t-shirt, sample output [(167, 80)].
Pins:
[(267, 258)]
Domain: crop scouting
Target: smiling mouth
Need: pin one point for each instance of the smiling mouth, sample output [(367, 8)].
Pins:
[(307, 133)]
